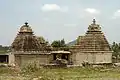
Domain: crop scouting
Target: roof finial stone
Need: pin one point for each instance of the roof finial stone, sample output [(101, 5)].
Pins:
[(94, 21), (26, 23)]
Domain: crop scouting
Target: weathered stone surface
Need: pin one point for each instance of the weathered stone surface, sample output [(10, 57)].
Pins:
[(94, 40), (27, 41), (93, 47)]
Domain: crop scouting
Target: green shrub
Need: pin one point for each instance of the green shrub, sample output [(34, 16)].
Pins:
[(31, 67)]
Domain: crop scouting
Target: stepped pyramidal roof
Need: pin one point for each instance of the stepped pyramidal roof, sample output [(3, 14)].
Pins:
[(94, 39), (27, 41)]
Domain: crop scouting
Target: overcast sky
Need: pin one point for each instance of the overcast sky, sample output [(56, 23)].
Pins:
[(57, 19)]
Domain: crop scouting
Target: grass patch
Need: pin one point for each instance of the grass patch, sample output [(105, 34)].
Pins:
[(3, 51), (62, 74)]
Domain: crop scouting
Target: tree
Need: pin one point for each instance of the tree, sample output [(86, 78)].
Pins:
[(116, 50), (44, 44), (62, 43), (59, 45), (4, 49), (41, 39), (56, 43)]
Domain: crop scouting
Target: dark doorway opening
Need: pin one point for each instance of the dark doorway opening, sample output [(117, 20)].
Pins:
[(4, 58), (61, 56), (65, 56), (54, 56)]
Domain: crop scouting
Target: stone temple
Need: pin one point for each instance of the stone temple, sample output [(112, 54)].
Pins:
[(27, 47), (93, 47), (27, 41)]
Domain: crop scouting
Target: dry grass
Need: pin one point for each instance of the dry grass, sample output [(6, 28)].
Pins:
[(61, 74)]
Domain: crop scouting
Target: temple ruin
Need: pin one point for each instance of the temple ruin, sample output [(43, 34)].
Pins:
[(93, 47), (27, 41), (27, 47)]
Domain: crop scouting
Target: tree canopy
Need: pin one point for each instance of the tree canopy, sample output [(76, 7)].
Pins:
[(116, 50), (59, 45), (4, 49)]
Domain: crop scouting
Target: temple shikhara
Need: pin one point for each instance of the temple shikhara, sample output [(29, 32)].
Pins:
[(92, 48), (27, 41)]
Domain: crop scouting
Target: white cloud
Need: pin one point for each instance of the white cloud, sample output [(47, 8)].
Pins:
[(92, 11), (53, 7), (116, 14), (89, 13)]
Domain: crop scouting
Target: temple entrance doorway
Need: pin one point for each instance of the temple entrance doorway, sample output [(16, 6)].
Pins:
[(61, 56), (4, 58)]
